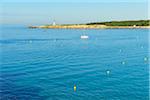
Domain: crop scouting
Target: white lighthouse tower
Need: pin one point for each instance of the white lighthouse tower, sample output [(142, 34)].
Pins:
[(54, 23)]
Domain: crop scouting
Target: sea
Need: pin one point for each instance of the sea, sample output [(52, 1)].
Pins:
[(56, 64)]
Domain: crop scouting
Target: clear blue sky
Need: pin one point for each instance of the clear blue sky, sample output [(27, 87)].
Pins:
[(71, 11)]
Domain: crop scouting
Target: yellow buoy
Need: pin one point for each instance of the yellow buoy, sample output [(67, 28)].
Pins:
[(75, 88)]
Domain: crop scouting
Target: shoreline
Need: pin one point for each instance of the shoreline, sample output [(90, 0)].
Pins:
[(87, 27)]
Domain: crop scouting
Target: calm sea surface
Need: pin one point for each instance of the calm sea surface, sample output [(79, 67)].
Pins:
[(46, 64)]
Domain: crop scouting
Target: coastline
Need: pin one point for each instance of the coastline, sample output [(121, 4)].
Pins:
[(87, 27), (130, 24)]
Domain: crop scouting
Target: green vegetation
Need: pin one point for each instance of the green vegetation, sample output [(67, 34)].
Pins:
[(123, 23)]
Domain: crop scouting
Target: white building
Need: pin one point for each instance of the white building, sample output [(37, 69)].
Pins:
[(54, 23)]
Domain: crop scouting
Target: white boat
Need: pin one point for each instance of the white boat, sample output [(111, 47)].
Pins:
[(84, 37)]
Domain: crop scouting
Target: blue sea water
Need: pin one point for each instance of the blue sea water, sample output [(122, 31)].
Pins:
[(46, 64)]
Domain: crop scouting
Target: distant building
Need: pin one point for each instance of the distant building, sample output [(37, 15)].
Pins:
[(54, 23), (134, 25)]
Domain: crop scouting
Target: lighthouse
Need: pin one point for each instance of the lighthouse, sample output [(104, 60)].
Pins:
[(54, 23)]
